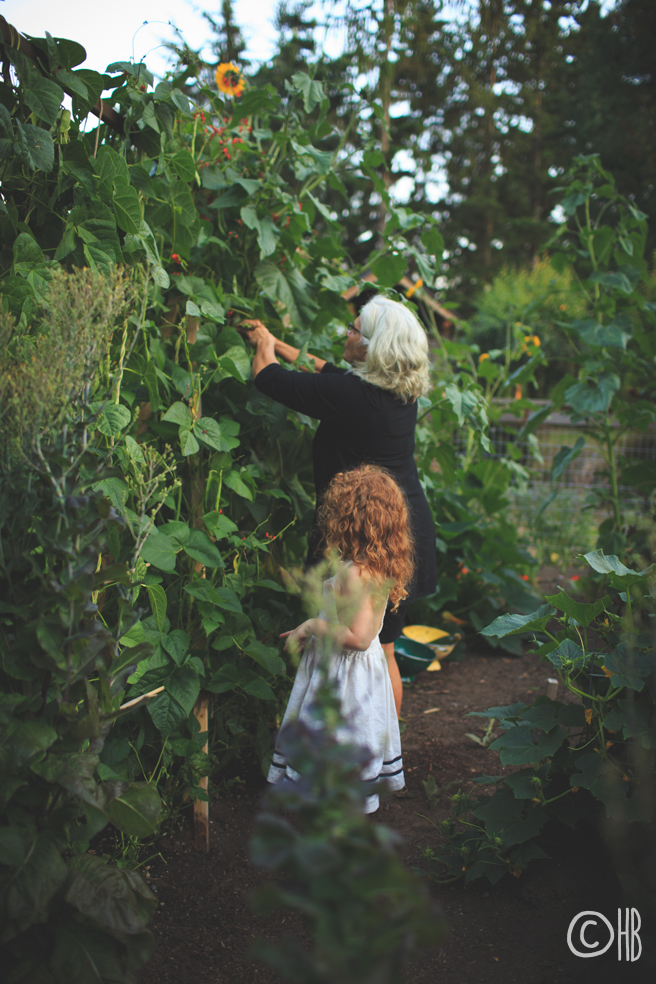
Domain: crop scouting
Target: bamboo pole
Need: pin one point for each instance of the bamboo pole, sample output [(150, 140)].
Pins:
[(201, 807)]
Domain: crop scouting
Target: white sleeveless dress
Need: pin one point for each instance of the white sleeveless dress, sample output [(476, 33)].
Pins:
[(365, 690)]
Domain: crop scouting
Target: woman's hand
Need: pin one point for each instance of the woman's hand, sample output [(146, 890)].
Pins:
[(257, 333)]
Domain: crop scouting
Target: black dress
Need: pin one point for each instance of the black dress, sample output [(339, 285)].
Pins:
[(360, 424)]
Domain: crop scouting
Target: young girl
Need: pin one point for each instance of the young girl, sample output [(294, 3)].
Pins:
[(364, 518)]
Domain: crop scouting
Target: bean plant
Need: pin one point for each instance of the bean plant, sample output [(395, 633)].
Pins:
[(571, 758)]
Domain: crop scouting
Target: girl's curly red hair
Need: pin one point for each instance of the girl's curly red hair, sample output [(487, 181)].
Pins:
[(364, 516)]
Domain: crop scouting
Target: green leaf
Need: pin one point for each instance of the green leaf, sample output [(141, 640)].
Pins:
[(258, 688), (433, 241), (275, 286), (192, 309), (508, 625), (135, 810), (520, 782), (177, 532), (564, 457), (601, 336), (621, 577), (184, 165), (38, 145), (630, 666), (159, 551), (167, 714), (208, 432), (389, 269), (28, 739), (235, 361), (614, 280), (267, 234), (184, 686), (127, 209), (188, 443), (234, 482), (29, 887), (593, 397), (179, 413), (534, 420), (43, 97), (109, 896), (221, 597), (158, 603), (640, 475), (112, 418), (266, 657), (518, 746), (12, 846), (502, 713), (177, 644), (28, 255), (566, 655), (200, 547), (576, 609), (510, 818), (312, 91)]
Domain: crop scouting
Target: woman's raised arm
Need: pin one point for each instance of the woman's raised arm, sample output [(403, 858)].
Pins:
[(285, 351)]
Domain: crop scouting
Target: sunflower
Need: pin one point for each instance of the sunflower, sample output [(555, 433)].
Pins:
[(229, 79)]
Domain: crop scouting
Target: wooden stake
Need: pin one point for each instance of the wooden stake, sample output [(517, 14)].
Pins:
[(552, 687), (201, 807)]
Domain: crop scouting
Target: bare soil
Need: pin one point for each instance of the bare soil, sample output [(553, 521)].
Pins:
[(514, 931)]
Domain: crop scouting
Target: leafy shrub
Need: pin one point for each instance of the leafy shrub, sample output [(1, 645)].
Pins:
[(579, 756), (66, 914), (366, 912)]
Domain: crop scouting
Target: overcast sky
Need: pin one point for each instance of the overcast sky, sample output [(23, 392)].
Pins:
[(115, 32)]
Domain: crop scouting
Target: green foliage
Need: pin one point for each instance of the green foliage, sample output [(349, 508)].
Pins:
[(577, 757), (366, 912), (66, 915)]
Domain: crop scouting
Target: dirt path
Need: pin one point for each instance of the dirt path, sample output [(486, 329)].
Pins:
[(515, 931)]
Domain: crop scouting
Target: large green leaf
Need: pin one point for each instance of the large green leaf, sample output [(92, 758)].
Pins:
[(389, 269), (127, 208), (517, 746), (221, 597), (508, 625), (184, 686), (601, 336), (200, 547), (258, 688), (112, 897), (27, 888), (630, 665), (567, 655), (275, 286), (157, 596), (179, 413), (266, 657), (621, 577), (267, 234), (159, 551), (311, 90), (44, 98), (208, 432), (26, 739), (36, 145), (583, 613), (136, 809), (593, 397), (564, 457), (167, 714), (234, 482), (176, 644), (511, 819), (433, 241)]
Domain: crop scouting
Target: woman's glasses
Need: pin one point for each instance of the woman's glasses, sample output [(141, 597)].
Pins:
[(352, 329)]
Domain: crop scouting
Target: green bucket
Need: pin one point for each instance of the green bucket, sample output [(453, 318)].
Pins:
[(412, 657)]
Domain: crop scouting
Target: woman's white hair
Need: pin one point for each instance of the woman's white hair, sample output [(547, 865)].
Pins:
[(397, 349)]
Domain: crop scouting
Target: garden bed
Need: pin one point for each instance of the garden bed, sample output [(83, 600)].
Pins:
[(514, 931)]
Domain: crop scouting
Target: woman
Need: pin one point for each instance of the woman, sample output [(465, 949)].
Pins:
[(367, 415)]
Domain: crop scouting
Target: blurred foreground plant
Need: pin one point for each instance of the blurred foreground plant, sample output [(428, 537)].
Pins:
[(367, 913)]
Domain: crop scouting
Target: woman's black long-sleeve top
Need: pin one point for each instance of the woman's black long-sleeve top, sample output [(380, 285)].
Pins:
[(359, 424)]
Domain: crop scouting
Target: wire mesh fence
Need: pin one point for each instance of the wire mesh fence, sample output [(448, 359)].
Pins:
[(568, 526)]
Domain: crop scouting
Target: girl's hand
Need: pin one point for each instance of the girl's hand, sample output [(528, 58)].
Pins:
[(297, 638)]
